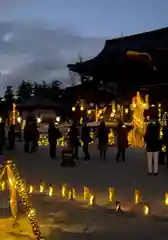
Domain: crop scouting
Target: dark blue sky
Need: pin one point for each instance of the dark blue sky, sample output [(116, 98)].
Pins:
[(39, 37), (90, 17)]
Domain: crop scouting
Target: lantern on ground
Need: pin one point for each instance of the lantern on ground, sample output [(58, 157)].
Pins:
[(166, 198), (30, 189), (111, 194), (146, 209), (91, 200), (137, 196), (50, 193), (118, 206), (41, 188), (86, 193), (71, 194), (63, 190)]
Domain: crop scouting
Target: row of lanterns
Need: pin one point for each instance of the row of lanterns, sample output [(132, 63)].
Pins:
[(88, 196)]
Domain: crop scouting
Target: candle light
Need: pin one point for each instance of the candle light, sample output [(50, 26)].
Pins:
[(111, 194), (91, 200), (166, 198), (86, 193), (137, 197)]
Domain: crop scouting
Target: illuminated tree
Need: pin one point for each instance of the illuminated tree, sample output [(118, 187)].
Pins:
[(138, 106)]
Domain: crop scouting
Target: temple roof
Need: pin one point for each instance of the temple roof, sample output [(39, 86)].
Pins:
[(113, 55), (39, 103)]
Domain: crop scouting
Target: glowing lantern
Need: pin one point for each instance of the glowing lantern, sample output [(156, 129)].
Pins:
[(89, 112), (0, 119), (38, 120), (111, 194), (30, 189), (41, 188), (137, 197), (71, 194), (126, 110), (166, 198), (91, 200), (163, 148), (58, 119), (118, 206), (19, 119), (82, 108), (73, 109), (86, 193), (146, 210), (63, 190), (2, 185), (50, 193)]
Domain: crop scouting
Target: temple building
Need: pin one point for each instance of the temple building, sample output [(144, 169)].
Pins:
[(43, 108), (130, 61)]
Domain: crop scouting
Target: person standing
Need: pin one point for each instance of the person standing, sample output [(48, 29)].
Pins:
[(53, 135), (18, 131), (122, 142), (102, 135), (153, 146), (27, 136), (74, 140), (34, 137), (86, 139), (11, 137)]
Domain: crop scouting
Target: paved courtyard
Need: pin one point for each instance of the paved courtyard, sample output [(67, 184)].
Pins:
[(62, 219)]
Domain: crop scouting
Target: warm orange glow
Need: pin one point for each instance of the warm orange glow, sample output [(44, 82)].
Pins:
[(91, 200), (86, 193), (166, 198), (137, 197)]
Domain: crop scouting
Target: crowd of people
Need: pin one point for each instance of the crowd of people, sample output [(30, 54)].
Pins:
[(153, 141)]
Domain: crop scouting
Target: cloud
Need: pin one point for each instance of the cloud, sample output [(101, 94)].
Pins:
[(38, 53)]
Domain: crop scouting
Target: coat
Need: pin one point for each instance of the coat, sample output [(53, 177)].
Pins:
[(86, 134), (122, 138), (152, 138), (102, 135)]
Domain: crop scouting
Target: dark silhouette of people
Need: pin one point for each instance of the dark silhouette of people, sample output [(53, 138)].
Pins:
[(102, 135), (74, 140), (31, 136), (86, 139), (35, 136), (18, 131), (122, 141), (11, 137), (153, 146), (27, 136), (53, 135), (2, 137)]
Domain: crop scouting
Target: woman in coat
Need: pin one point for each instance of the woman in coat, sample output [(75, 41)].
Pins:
[(153, 146), (122, 141), (102, 139)]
